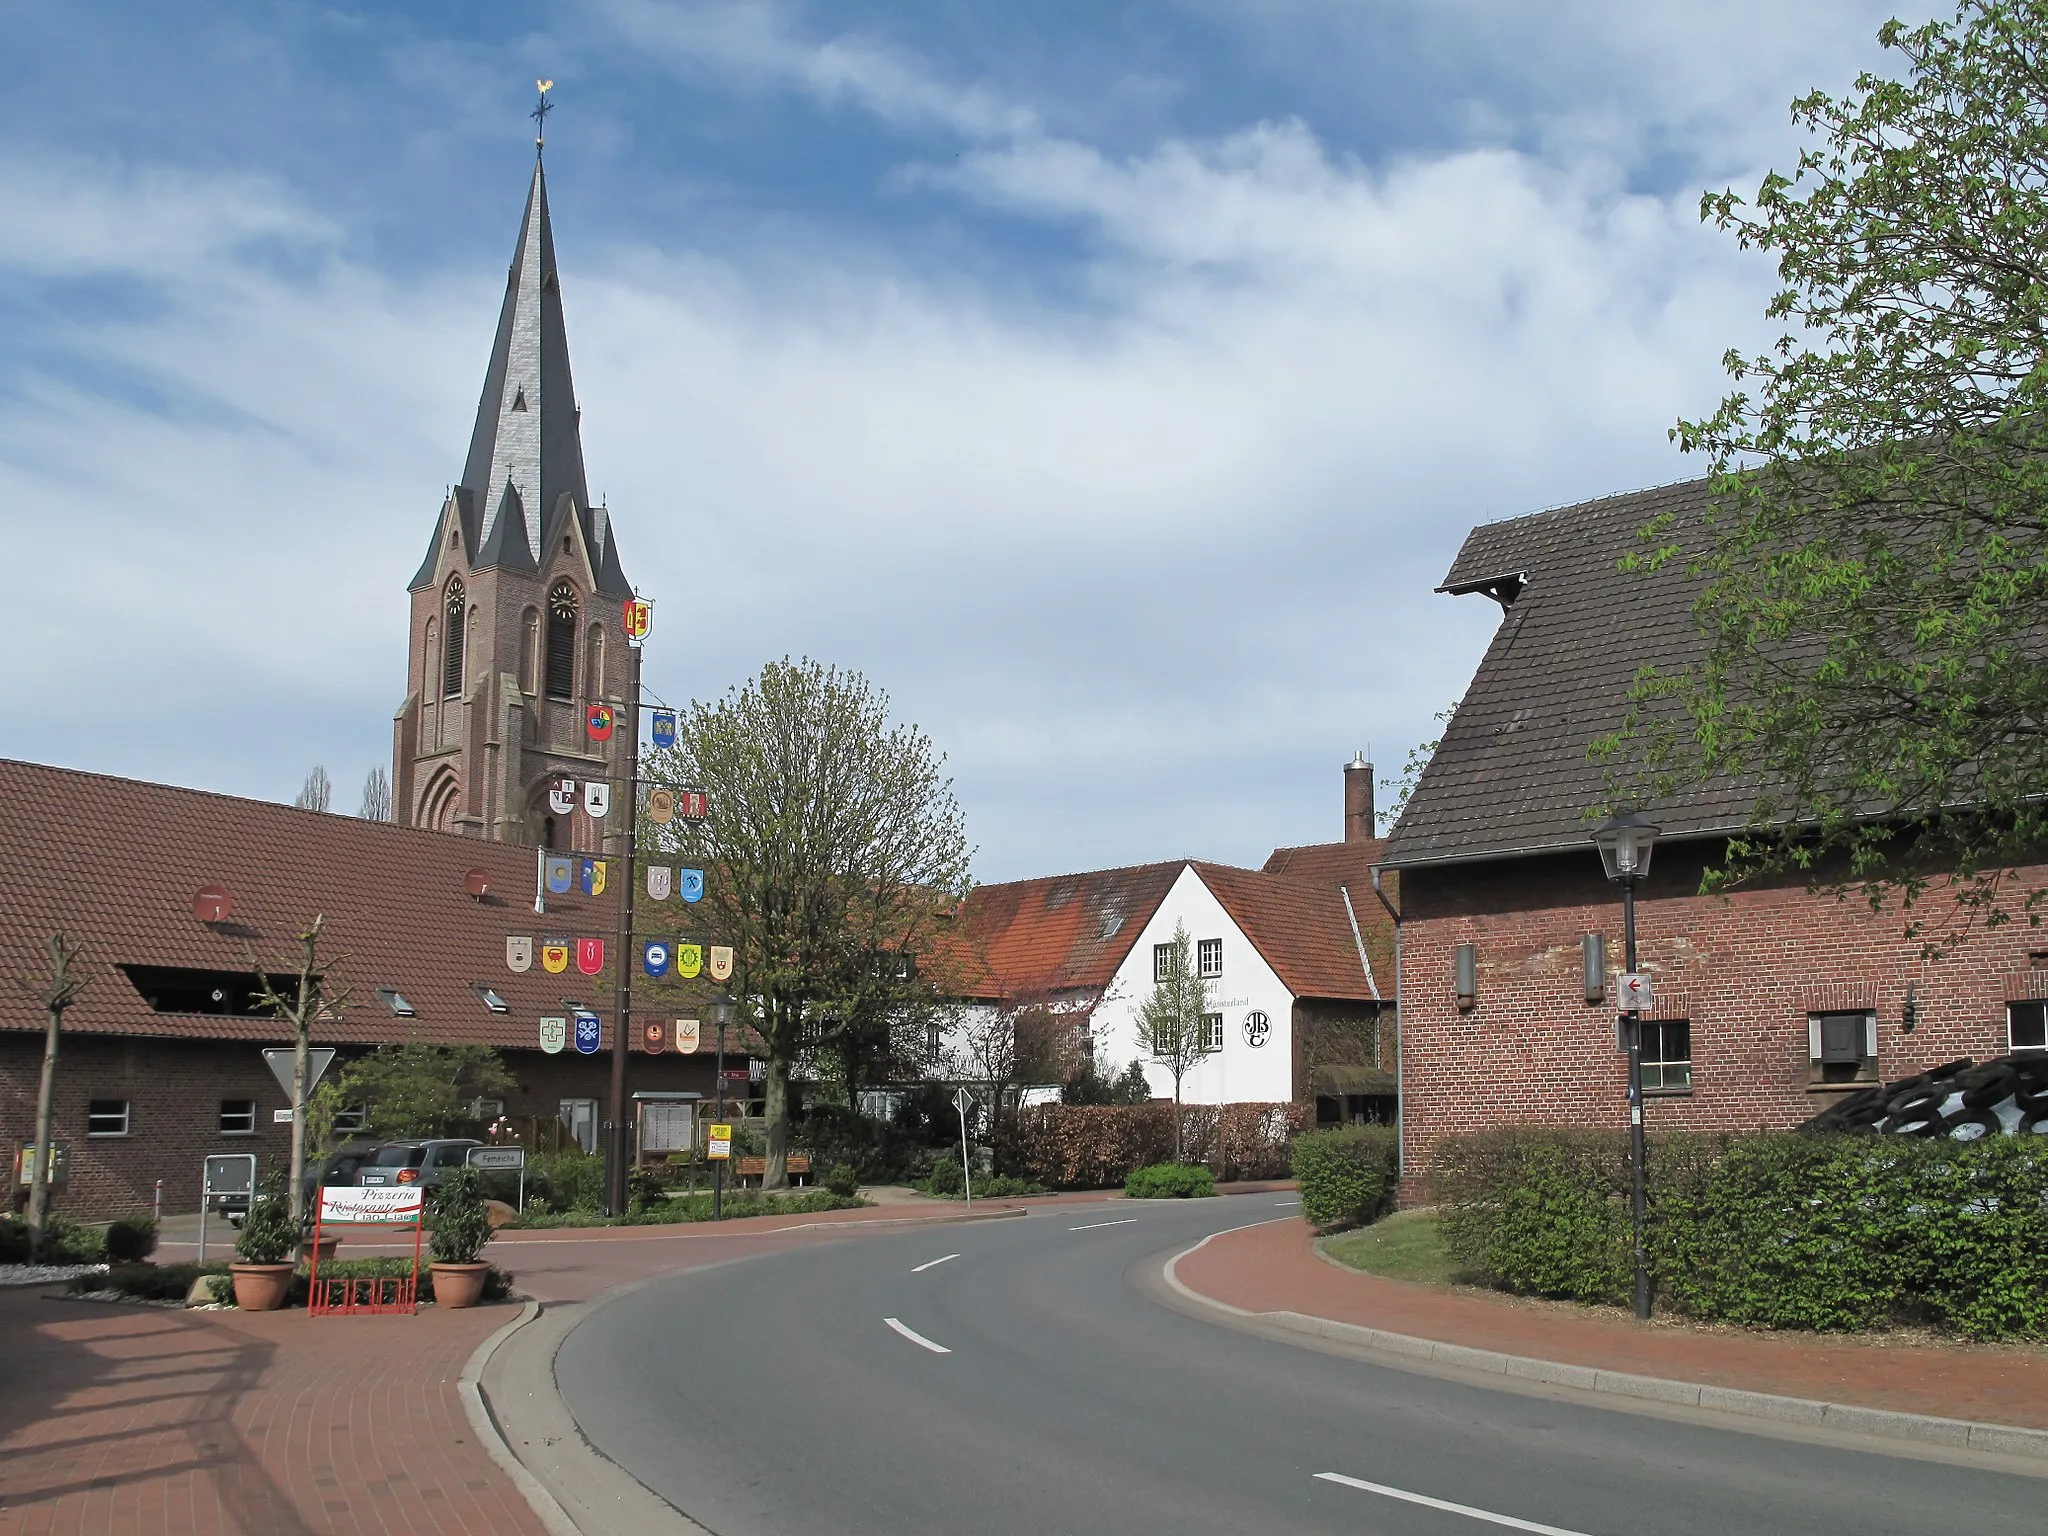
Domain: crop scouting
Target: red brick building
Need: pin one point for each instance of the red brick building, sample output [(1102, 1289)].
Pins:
[(1769, 1001), (161, 1060)]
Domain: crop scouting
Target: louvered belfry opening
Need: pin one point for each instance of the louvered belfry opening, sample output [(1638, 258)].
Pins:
[(453, 636), (562, 641)]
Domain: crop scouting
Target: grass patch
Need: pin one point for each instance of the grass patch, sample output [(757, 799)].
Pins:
[(1405, 1246)]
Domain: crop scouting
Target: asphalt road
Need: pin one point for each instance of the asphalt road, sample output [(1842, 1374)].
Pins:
[(775, 1397)]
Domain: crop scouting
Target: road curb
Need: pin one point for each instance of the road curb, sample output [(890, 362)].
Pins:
[(1953, 1434), (485, 1427)]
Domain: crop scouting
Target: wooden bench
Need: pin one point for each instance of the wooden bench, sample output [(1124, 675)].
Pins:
[(745, 1168)]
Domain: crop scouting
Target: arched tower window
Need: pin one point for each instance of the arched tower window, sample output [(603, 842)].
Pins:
[(593, 675), (454, 633), (562, 641), (529, 651)]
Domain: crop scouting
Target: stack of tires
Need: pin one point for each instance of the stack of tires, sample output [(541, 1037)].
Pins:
[(1964, 1101)]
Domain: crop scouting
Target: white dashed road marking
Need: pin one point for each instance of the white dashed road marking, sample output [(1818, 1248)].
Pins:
[(1094, 1224), (1445, 1504), (938, 1349), (933, 1264)]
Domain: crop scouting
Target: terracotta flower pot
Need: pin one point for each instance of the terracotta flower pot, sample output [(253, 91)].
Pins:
[(327, 1243), (458, 1285), (261, 1287)]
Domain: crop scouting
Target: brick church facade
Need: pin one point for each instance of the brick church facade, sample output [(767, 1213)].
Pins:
[(517, 609)]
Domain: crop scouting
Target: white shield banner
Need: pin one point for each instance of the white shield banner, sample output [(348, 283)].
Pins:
[(519, 953), (687, 1031), (660, 881), (721, 962), (561, 795), (597, 797), (554, 1034)]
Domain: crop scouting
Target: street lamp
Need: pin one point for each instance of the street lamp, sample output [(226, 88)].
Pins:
[(722, 1009), (1625, 842)]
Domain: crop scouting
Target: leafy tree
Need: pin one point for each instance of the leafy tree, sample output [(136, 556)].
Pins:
[(1086, 1085), (1403, 784), (834, 857), (1874, 567), (1170, 1022), (376, 804), (306, 996), (317, 793), (416, 1089), (56, 992)]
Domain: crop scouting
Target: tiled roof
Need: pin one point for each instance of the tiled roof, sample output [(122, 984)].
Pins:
[(1511, 776), (1058, 933), (1298, 926), (115, 863), (1350, 865)]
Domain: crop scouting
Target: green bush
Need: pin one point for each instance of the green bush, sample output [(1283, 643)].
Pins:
[(841, 1179), (269, 1235), (64, 1242), (1170, 1181), (130, 1239), (947, 1178), (461, 1224), (150, 1282), (13, 1240), (697, 1207), (1540, 1212), (1347, 1176), (565, 1181)]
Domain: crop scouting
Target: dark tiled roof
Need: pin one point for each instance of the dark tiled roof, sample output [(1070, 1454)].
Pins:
[(1511, 776), (115, 863)]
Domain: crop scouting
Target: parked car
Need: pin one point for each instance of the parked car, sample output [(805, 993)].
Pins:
[(425, 1163), (338, 1168)]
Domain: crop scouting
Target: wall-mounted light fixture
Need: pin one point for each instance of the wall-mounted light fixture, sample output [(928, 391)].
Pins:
[(1465, 975), (1593, 961)]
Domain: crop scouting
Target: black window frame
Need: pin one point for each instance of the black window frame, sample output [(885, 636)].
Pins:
[(558, 661), (228, 1114), (454, 637), (1212, 1033), (2038, 1007)]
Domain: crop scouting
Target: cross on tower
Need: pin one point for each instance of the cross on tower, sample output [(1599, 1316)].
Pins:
[(540, 114)]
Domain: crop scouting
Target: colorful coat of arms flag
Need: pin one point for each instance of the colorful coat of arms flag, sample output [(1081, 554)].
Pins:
[(590, 956), (589, 1032), (660, 881), (561, 794), (554, 956), (597, 798), (654, 1037), (593, 877), (599, 722), (554, 1034), (721, 962), (661, 806), (690, 884), (664, 728), (561, 875), (689, 959), (655, 957), (687, 1031), (519, 953)]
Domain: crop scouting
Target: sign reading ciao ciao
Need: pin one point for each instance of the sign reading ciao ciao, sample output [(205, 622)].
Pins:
[(395, 1205)]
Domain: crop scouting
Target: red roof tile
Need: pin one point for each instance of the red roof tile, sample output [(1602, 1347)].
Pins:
[(115, 863), (1056, 934)]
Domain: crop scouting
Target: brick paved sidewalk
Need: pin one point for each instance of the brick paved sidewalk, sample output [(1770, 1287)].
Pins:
[(1274, 1267)]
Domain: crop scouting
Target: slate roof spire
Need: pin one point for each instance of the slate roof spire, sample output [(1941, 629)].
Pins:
[(526, 451)]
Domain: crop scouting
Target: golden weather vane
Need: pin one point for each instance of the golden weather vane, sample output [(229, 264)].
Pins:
[(540, 114)]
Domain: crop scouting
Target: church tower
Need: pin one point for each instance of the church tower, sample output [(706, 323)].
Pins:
[(518, 609)]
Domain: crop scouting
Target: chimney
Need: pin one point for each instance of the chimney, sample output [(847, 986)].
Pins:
[(1358, 818)]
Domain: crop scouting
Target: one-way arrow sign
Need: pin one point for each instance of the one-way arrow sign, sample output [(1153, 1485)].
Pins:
[(279, 1060)]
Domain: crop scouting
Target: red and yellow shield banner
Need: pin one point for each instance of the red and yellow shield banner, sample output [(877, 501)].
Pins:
[(554, 956)]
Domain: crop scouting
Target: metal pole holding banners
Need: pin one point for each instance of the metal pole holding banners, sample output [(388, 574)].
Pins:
[(963, 1101), (718, 1114), (622, 993), (1636, 1154)]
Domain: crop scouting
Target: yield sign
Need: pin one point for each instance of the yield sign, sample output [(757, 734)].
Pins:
[(279, 1060), (963, 1101)]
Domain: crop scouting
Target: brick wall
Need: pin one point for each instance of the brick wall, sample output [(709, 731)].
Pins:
[(175, 1087), (1746, 969)]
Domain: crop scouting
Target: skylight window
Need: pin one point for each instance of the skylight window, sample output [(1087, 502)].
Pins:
[(489, 998), (396, 1001)]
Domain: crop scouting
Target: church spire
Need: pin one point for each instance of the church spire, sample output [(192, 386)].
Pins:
[(526, 438)]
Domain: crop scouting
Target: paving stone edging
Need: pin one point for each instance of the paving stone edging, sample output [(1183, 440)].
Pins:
[(1957, 1434), (491, 1438)]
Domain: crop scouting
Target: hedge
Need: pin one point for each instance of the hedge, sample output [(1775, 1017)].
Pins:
[(1347, 1176), (1811, 1231), (1170, 1181), (1098, 1146)]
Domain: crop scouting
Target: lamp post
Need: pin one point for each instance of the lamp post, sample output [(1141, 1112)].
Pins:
[(722, 1008), (1625, 842)]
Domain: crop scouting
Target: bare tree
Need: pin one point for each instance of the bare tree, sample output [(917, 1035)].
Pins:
[(305, 999), (1005, 1048), (376, 804), (317, 793), (1172, 1027), (56, 993)]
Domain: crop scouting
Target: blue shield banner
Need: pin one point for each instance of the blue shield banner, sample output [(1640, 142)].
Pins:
[(690, 883), (593, 877), (656, 957), (664, 728), (561, 875), (589, 1033)]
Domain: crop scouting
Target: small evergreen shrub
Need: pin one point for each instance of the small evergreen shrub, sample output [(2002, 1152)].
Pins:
[(149, 1282), (1347, 1175), (1170, 1181), (842, 1180), (461, 1223), (947, 1178), (130, 1239), (13, 1240), (565, 1181), (268, 1235)]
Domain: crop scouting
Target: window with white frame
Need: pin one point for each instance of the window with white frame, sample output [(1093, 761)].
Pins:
[(1209, 957), (2026, 1026), (1843, 1046), (1667, 1055), (238, 1117), (106, 1117), (1212, 1031), (1162, 962)]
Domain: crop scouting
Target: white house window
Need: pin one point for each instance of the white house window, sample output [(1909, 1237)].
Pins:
[(1212, 1031), (106, 1117), (238, 1117), (931, 1037), (1843, 1046), (2026, 1026), (1667, 1055), (1209, 957), (1162, 962)]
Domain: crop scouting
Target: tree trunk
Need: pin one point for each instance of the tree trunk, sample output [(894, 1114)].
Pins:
[(1176, 1118), (39, 1179), (775, 1167), (299, 1113)]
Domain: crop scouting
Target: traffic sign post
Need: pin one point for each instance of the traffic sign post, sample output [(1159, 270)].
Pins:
[(964, 1101), (488, 1159)]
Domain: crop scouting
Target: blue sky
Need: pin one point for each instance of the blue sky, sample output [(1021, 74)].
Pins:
[(1110, 383)]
